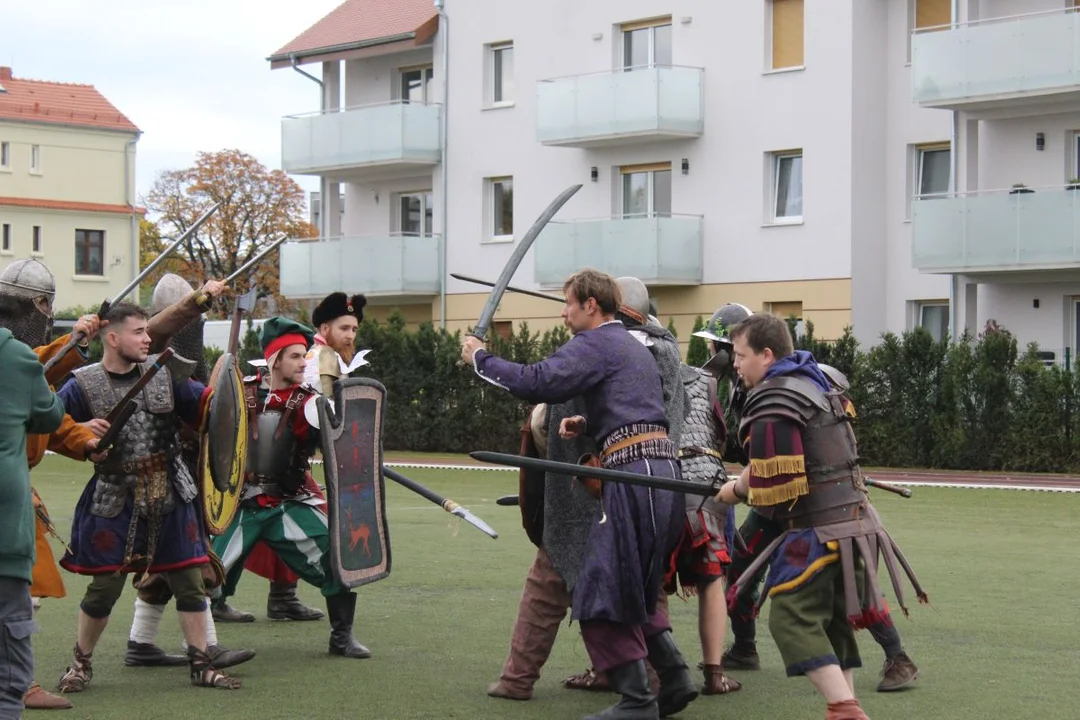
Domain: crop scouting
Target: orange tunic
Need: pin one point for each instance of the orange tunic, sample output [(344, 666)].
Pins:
[(70, 440)]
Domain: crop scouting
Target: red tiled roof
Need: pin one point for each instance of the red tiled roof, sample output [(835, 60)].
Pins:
[(42, 204), (59, 103), (356, 21)]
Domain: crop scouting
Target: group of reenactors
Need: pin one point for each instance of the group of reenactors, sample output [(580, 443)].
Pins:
[(200, 473)]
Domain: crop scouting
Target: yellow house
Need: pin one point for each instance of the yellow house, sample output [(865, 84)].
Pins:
[(67, 187)]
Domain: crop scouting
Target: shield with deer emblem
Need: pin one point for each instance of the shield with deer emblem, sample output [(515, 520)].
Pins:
[(351, 434)]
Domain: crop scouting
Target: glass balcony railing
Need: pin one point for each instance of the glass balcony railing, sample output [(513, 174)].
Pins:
[(372, 264)]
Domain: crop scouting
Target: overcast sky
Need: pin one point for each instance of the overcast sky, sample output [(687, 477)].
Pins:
[(191, 75)]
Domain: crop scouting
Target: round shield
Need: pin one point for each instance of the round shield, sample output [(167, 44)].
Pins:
[(224, 450)]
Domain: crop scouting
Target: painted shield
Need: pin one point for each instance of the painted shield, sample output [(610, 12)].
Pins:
[(351, 434), (224, 448)]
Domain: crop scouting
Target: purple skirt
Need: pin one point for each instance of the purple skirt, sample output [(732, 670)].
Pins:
[(98, 543), (627, 555)]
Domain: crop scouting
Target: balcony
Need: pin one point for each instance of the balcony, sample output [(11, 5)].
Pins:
[(380, 266), (361, 143), (619, 107), (998, 63), (658, 250), (997, 231)]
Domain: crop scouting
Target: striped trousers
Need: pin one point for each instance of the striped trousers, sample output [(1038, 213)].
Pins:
[(295, 531)]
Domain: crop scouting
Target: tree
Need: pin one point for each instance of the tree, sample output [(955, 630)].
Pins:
[(258, 206), (697, 354)]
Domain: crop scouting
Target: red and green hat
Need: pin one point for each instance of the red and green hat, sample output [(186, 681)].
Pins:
[(278, 333)]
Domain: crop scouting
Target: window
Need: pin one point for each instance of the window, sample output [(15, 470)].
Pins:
[(786, 310), (933, 168), (89, 252), (647, 44), (417, 85), (503, 328), (931, 13), (315, 205), (35, 246), (415, 213), (501, 74), (934, 316), (787, 34), (5, 154), (35, 158), (500, 201), (787, 187), (5, 238), (646, 191)]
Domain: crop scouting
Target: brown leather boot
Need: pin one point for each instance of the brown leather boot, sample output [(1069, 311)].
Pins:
[(38, 699), (845, 710), (225, 613), (716, 682), (898, 673)]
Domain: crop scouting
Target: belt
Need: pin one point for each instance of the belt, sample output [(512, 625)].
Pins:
[(631, 441), (131, 466), (688, 451)]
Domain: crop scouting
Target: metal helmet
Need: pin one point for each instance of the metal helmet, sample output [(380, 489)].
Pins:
[(635, 300), (722, 363), (27, 291), (188, 341)]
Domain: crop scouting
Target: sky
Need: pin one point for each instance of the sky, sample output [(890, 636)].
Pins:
[(193, 75)]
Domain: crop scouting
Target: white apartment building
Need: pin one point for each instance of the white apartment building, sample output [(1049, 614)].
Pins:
[(792, 155)]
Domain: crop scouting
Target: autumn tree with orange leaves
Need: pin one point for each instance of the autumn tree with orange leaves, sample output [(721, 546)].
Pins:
[(258, 207)]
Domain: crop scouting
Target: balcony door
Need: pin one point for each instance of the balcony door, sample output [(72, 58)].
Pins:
[(646, 191), (647, 44), (415, 217), (417, 85)]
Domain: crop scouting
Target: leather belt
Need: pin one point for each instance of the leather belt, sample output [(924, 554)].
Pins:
[(130, 466), (688, 451), (631, 441)]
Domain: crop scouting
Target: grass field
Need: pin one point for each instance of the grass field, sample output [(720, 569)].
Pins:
[(1001, 638)]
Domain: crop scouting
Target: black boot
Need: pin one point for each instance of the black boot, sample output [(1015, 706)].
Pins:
[(638, 703), (223, 658), (341, 609), (677, 687), (282, 604), (150, 655), (224, 613)]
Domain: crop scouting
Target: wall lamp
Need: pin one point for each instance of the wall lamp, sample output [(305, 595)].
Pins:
[(594, 173), (685, 166), (1040, 142)]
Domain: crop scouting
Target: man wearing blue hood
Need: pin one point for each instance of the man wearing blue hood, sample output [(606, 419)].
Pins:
[(803, 473)]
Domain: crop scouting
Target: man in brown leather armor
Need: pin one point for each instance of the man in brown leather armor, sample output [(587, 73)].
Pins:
[(803, 473)]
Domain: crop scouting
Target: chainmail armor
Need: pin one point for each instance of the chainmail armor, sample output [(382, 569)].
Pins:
[(27, 324)]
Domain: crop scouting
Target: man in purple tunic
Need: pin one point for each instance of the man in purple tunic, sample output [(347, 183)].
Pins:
[(615, 598)]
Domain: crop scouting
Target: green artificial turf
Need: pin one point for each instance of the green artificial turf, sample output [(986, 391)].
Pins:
[(1000, 639)]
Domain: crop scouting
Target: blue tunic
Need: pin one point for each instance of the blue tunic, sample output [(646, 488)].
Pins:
[(619, 382), (98, 543)]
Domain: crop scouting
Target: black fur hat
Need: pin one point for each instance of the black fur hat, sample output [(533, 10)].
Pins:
[(337, 304)]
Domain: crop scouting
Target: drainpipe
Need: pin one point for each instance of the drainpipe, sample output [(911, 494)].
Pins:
[(444, 33), (324, 217), (129, 192), (954, 159)]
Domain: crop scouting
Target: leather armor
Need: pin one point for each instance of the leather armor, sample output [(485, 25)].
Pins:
[(148, 443), (837, 490)]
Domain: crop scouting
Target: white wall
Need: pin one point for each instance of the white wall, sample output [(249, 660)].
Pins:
[(1007, 152), (1049, 325)]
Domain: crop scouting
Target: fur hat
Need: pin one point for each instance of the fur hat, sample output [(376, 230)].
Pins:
[(337, 304)]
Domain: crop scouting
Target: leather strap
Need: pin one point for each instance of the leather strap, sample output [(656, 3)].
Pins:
[(696, 450), (631, 441)]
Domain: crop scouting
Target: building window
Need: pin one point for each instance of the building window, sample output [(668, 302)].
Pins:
[(315, 205), (35, 244), (647, 44), (501, 74), (5, 238), (500, 202), (786, 33), (787, 187), (933, 168), (35, 158), (417, 85), (788, 311), (503, 328), (5, 154), (89, 252), (415, 214), (646, 190), (930, 13), (933, 315)]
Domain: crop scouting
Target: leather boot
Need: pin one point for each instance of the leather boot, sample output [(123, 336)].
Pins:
[(222, 657), (677, 687), (637, 703), (225, 613), (150, 655), (342, 609), (37, 698), (282, 604)]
